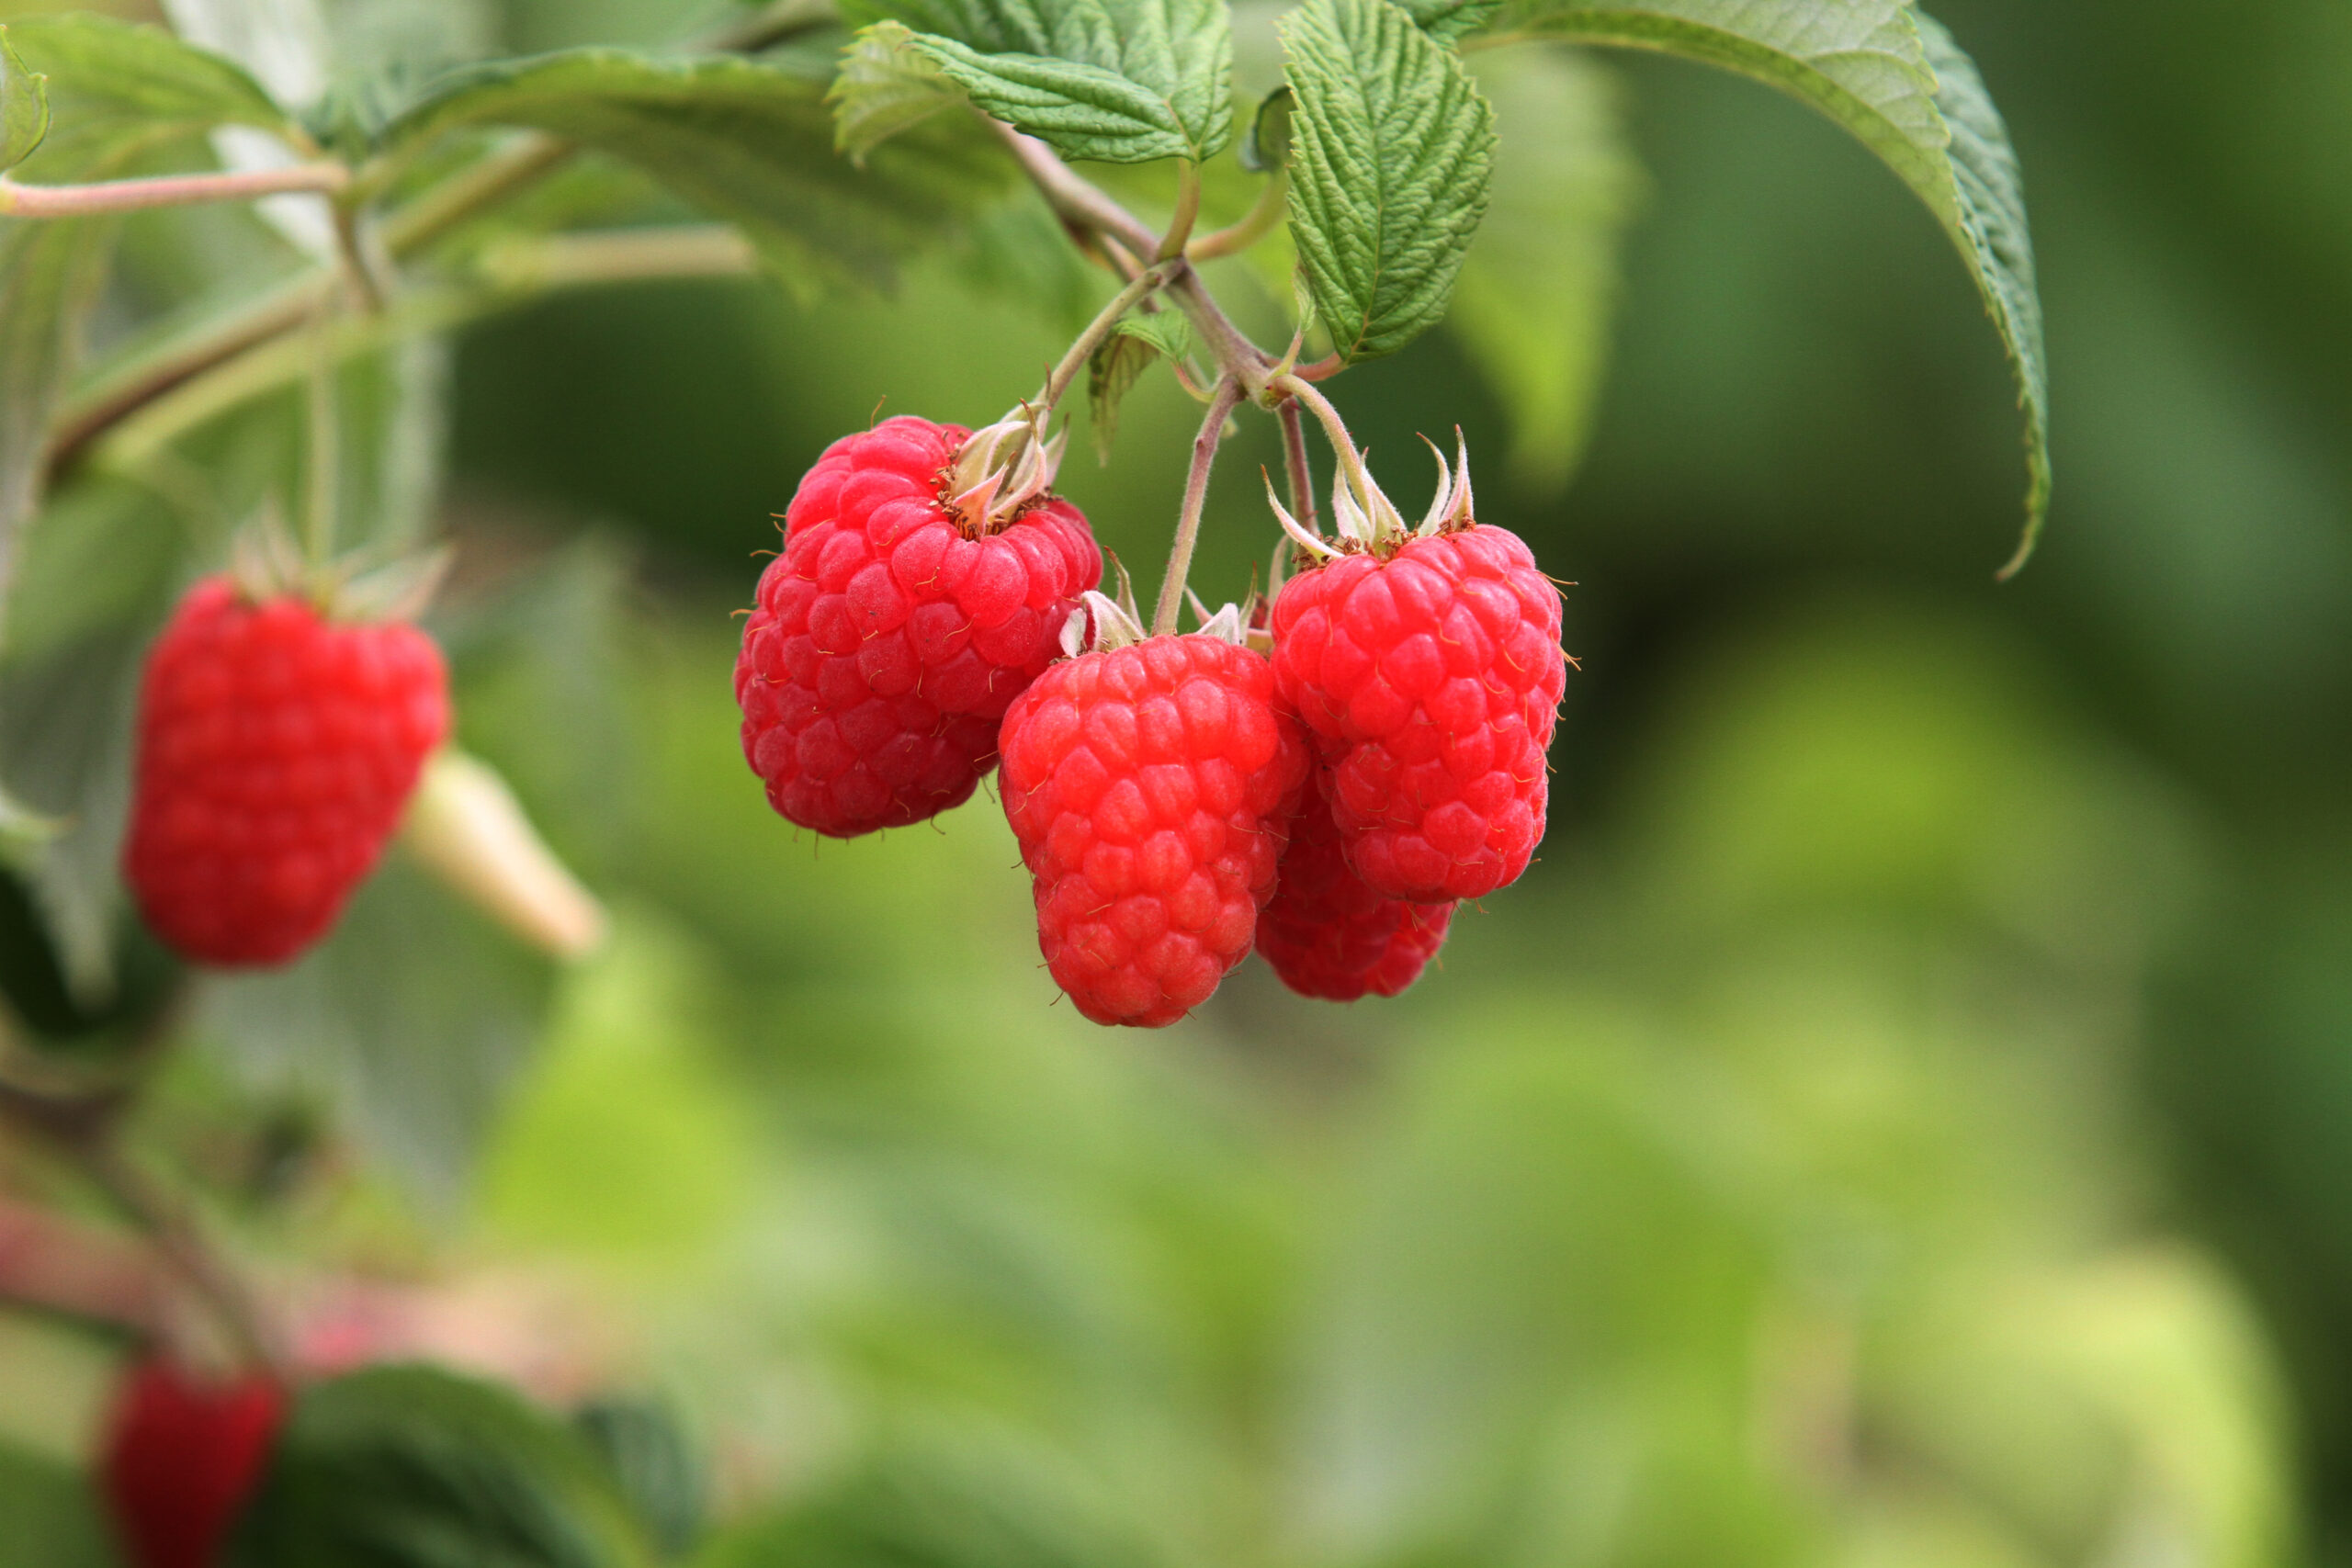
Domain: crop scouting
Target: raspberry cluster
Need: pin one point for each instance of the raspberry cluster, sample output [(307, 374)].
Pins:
[(1179, 799), (276, 750)]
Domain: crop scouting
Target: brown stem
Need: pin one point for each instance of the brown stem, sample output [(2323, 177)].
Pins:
[(54, 1265), (1197, 494), (1302, 476), (1104, 323), (166, 190)]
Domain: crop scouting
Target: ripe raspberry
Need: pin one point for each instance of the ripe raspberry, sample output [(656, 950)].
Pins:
[(896, 625), (1430, 677), (1150, 787), (276, 750), (182, 1459), (1327, 933)]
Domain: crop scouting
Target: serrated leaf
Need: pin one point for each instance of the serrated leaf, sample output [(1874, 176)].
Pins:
[(1393, 151), (1115, 367), (885, 85), (113, 81), (1533, 300), (1265, 145), (411, 1467), (24, 107), (1449, 21), (1895, 78), (749, 140), (1121, 81)]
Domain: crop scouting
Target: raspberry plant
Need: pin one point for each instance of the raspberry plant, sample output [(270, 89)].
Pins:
[(1327, 767)]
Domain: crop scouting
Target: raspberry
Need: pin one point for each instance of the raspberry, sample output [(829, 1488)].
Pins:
[(1328, 934), (1150, 787), (182, 1459), (1430, 677), (896, 626), (275, 751)]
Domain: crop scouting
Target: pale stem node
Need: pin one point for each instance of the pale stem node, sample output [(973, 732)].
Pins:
[(168, 190), (466, 827)]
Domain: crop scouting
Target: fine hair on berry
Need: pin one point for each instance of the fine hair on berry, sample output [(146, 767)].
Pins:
[(1151, 787), (891, 633), (276, 749)]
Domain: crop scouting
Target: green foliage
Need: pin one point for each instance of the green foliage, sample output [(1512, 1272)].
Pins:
[(1893, 76), (1113, 370), (24, 107), (884, 87), (1121, 81), (410, 1467), (1392, 155), (115, 93), (654, 1466), (54, 1519), (1449, 21), (751, 142), (1536, 294)]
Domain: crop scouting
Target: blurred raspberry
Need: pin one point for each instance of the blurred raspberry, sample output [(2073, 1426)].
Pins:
[(1431, 678), (891, 634), (1149, 787), (276, 749), (182, 1457), (1327, 933)]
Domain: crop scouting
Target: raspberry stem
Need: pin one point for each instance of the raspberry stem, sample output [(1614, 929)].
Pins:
[(321, 456), (1104, 323), (1188, 520), (168, 190)]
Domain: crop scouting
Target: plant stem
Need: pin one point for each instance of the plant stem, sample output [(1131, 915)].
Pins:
[(177, 1238), (1302, 476), (1197, 494), (321, 461), (1187, 211), (451, 203), (1252, 226), (1104, 323), (618, 256), (168, 190), (1335, 431)]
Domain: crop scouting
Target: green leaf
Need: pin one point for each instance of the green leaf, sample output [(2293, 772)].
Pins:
[(652, 1464), (1891, 76), (115, 92), (749, 140), (1392, 151), (1451, 21), (1121, 81), (24, 107), (1265, 145), (116, 89), (411, 1467), (1115, 367), (885, 85), (53, 1514), (1533, 301)]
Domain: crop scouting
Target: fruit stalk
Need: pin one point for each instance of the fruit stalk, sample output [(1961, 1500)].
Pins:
[(1188, 520), (168, 190), (1104, 323)]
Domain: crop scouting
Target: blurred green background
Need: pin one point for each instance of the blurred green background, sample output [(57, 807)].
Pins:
[(1902, 1120)]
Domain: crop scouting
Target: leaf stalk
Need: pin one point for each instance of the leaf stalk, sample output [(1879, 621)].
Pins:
[(1196, 493), (168, 190)]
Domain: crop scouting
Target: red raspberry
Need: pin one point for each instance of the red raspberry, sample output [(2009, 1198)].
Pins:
[(1150, 787), (182, 1457), (890, 634), (275, 751), (1328, 934), (1431, 678)]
